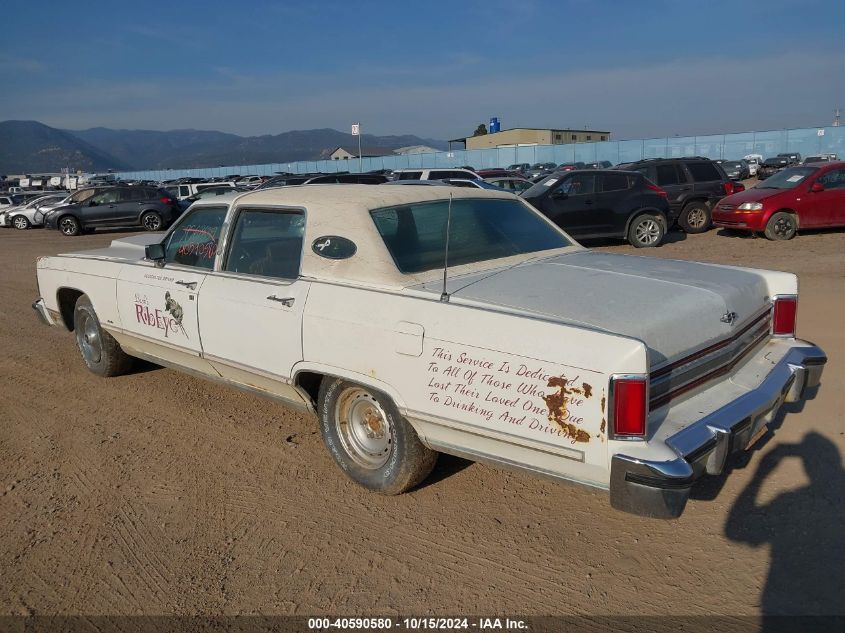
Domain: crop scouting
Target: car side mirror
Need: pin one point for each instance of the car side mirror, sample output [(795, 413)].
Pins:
[(154, 252), (93, 203), (817, 187)]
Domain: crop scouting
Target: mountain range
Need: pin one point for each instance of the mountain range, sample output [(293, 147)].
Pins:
[(32, 147)]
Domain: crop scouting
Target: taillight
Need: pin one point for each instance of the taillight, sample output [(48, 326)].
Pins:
[(656, 189), (783, 316), (166, 200), (729, 187), (738, 186), (629, 396)]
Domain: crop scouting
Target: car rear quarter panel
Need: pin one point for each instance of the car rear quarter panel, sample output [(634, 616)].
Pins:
[(96, 278), (470, 377)]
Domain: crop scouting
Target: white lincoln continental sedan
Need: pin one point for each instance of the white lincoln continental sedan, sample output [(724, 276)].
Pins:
[(418, 320)]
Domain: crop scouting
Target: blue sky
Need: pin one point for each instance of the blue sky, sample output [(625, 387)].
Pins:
[(426, 67)]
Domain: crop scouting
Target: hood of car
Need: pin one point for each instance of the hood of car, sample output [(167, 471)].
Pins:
[(672, 306), (755, 194)]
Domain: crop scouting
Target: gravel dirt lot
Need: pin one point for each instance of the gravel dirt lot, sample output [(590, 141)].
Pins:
[(159, 493)]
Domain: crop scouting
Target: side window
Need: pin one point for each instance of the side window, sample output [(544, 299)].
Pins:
[(703, 172), (267, 243), (613, 182), (410, 175), (667, 175), (577, 184), (134, 194), (184, 191), (834, 179), (194, 241), (106, 197)]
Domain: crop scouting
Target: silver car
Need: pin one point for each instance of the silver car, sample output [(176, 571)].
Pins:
[(30, 214)]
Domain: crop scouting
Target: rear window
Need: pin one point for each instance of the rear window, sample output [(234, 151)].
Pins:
[(703, 172), (480, 230), (614, 182)]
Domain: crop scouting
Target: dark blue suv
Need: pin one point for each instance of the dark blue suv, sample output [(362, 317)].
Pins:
[(149, 208)]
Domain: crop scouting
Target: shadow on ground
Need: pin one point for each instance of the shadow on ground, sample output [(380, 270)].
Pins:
[(804, 528)]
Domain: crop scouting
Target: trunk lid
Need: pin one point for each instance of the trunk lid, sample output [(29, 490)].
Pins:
[(675, 307)]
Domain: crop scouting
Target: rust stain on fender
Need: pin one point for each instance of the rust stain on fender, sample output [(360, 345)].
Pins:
[(556, 403), (603, 425)]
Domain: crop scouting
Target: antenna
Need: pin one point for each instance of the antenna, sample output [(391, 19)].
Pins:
[(444, 296)]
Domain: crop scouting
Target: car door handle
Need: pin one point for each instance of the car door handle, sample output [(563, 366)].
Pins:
[(187, 284), (588, 202), (285, 301)]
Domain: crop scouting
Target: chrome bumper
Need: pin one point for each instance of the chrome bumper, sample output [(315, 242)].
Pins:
[(661, 489), (43, 313)]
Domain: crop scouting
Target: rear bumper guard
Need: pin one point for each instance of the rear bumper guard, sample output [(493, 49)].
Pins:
[(43, 313), (661, 489)]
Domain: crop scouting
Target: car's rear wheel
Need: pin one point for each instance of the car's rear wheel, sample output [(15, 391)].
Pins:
[(69, 225), (646, 230), (695, 218), (151, 221), (781, 226), (100, 351), (21, 222), (368, 438)]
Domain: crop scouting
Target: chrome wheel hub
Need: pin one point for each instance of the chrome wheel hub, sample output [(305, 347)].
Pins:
[(88, 337), (647, 232), (363, 428), (152, 223), (68, 226), (696, 218)]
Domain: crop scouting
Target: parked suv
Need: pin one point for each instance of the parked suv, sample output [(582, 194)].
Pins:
[(603, 203), (771, 166), (148, 207), (434, 174), (694, 186)]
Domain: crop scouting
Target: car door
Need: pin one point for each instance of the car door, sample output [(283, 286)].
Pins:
[(612, 191), (158, 303), (129, 204), (830, 203), (251, 309), (101, 208), (672, 180), (571, 203)]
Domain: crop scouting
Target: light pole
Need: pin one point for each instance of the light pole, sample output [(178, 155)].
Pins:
[(356, 131)]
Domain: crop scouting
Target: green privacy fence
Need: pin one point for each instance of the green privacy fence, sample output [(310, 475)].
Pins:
[(806, 141)]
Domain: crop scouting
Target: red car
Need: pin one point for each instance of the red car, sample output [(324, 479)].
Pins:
[(807, 196)]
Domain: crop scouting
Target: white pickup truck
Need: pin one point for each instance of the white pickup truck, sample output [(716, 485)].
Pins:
[(418, 320)]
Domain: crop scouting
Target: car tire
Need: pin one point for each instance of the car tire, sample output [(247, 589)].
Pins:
[(101, 353), (646, 230), (151, 221), (368, 438), (21, 222), (69, 225), (695, 218), (781, 226)]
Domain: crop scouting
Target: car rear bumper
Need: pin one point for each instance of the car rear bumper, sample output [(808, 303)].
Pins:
[(660, 489)]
